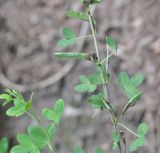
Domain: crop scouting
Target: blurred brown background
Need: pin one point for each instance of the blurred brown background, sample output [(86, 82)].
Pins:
[(29, 30)]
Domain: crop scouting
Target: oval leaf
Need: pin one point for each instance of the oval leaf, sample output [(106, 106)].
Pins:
[(123, 79), (25, 140), (73, 55), (111, 43), (49, 114), (77, 15), (142, 129), (20, 149), (38, 136), (68, 33), (66, 42), (136, 80), (136, 144), (3, 145)]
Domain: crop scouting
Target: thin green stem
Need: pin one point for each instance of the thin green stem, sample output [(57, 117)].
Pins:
[(94, 35), (97, 53), (84, 37), (120, 124)]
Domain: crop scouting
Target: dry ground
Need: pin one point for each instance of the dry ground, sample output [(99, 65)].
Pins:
[(29, 30)]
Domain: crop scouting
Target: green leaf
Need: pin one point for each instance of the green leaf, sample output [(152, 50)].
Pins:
[(35, 150), (16, 110), (136, 80), (115, 137), (58, 110), (68, 33), (95, 1), (114, 146), (133, 101), (136, 144), (66, 42), (78, 149), (73, 55), (49, 114), (28, 105), (85, 87), (20, 149), (99, 150), (96, 101), (131, 92), (95, 79), (38, 136), (77, 15), (5, 97), (123, 79), (111, 43), (3, 145), (25, 140), (142, 129), (84, 79)]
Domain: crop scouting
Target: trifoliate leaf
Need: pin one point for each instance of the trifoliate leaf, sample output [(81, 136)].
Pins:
[(142, 129), (123, 79), (3, 145)]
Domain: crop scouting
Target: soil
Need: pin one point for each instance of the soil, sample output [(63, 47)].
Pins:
[(29, 31)]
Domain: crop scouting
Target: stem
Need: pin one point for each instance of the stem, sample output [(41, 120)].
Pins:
[(97, 53), (128, 129), (35, 117), (94, 35), (84, 37), (119, 143)]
